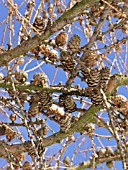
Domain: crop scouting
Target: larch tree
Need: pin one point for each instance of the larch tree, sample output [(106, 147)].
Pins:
[(63, 84)]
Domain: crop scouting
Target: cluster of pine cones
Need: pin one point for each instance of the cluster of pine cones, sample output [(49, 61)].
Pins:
[(96, 80), (39, 102)]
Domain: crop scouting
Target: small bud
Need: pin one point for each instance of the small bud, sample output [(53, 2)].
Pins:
[(71, 138), (12, 117), (66, 160), (20, 60), (1, 76), (109, 164), (109, 151)]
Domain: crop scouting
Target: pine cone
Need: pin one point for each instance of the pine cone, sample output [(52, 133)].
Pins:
[(121, 104), (40, 79), (39, 24), (84, 72), (52, 55), (119, 100), (35, 98), (61, 38), (21, 76), (90, 60), (65, 122), (74, 43), (70, 105), (45, 100), (33, 110), (23, 97), (67, 62), (96, 97), (67, 102), (105, 76), (10, 134), (94, 78)]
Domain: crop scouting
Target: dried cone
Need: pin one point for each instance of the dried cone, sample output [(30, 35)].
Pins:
[(70, 105), (61, 38), (21, 76), (33, 110), (45, 100), (52, 55), (67, 102), (84, 72), (105, 76), (119, 100), (65, 122), (10, 134), (96, 97), (62, 100), (23, 97), (40, 79), (67, 62), (34, 98), (90, 60), (94, 78), (121, 104), (27, 166), (74, 43), (39, 24)]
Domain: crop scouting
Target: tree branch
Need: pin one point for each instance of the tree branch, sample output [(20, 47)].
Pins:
[(88, 163), (32, 42), (116, 80)]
